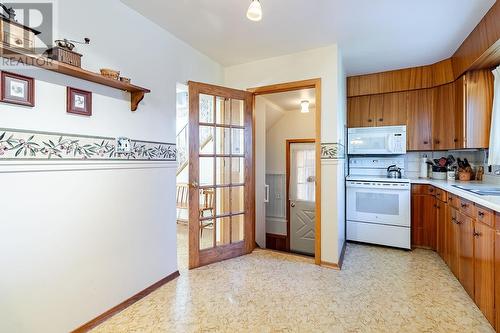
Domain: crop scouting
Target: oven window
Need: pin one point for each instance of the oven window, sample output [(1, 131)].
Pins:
[(377, 203)]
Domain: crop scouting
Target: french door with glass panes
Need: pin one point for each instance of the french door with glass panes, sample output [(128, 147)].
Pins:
[(221, 194)]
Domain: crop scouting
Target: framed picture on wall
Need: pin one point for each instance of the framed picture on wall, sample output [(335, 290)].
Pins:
[(79, 102), (17, 89)]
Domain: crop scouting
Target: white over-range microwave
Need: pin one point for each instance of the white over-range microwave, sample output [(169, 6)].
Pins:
[(388, 140)]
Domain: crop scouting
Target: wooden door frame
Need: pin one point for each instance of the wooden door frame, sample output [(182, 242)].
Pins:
[(292, 86), (287, 175)]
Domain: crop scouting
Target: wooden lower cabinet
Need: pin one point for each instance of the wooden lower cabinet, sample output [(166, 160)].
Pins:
[(453, 240), (466, 261), (423, 216), (441, 224), (497, 272), (484, 269)]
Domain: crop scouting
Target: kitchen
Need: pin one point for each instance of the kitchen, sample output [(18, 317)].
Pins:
[(424, 169)]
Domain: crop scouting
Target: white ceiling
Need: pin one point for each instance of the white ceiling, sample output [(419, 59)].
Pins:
[(290, 101), (374, 35)]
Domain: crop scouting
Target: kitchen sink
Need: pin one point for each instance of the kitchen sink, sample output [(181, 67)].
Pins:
[(480, 190)]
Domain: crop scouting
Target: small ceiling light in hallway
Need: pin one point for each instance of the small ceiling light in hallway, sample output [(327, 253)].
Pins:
[(305, 106), (254, 12)]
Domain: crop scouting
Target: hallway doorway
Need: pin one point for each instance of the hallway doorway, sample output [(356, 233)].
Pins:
[(288, 169)]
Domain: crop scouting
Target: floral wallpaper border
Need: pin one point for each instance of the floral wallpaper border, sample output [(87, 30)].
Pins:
[(34, 145), (332, 151)]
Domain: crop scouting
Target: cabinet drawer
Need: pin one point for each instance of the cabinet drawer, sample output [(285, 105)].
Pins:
[(423, 189), (485, 216), (453, 201), (467, 208), (441, 195)]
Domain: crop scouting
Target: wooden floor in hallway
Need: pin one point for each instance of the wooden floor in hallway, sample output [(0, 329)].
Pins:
[(378, 290)]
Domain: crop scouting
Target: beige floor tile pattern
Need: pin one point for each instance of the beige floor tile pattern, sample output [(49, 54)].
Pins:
[(378, 290)]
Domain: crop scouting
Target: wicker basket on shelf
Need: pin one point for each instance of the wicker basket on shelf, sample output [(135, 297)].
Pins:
[(110, 73)]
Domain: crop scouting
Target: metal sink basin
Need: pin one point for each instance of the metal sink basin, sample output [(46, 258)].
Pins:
[(479, 190)]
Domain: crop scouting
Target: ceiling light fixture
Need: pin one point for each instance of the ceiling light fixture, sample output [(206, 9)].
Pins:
[(305, 106), (254, 12)]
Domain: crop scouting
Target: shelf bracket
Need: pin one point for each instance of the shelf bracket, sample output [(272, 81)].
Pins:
[(135, 98)]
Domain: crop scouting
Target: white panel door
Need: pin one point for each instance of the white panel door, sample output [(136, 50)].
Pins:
[(302, 226), (302, 197)]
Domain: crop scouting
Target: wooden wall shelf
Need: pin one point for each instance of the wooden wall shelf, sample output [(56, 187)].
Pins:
[(136, 93)]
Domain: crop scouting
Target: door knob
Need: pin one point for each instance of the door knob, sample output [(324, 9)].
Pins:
[(193, 184), (292, 204)]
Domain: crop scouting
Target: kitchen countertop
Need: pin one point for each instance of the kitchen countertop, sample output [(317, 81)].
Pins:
[(490, 202)]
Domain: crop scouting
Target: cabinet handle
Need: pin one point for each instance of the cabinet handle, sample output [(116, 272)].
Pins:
[(381, 119), (464, 205), (480, 214), (437, 142), (477, 234), (426, 142), (370, 120), (19, 41), (455, 140)]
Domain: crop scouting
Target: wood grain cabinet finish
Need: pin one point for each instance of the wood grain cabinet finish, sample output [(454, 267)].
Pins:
[(443, 121), (423, 212), (478, 108), (377, 110), (466, 253), (419, 115), (497, 270), (394, 108), (359, 112), (484, 271), (441, 221), (453, 239)]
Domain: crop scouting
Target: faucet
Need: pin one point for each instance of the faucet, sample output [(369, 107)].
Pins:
[(9, 12)]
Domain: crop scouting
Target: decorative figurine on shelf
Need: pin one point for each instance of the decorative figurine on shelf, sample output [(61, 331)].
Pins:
[(8, 13), (63, 52)]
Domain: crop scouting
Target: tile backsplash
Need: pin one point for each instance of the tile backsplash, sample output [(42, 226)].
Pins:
[(475, 157)]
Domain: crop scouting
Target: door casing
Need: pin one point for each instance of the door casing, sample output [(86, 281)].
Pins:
[(291, 86)]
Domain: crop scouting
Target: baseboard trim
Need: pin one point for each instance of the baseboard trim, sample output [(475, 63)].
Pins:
[(336, 266), (125, 304)]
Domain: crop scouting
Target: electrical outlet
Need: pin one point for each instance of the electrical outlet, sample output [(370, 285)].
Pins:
[(278, 196), (123, 146)]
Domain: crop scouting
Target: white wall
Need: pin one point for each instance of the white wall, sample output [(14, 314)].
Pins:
[(324, 63), (76, 243), (292, 125)]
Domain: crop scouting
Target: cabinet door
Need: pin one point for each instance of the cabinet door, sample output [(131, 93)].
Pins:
[(460, 112), (497, 275), (419, 115), (479, 106), (443, 124), (466, 254), (393, 112), (359, 112), (423, 222), (453, 242), (441, 214), (484, 272)]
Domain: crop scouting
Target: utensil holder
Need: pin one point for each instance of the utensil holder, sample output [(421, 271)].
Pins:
[(464, 176)]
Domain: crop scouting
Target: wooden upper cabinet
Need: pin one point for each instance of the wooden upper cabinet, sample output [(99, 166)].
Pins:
[(460, 112), (478, 108), (393, 112), (358, 114), (443, 121), (484, 269), (419, 115)]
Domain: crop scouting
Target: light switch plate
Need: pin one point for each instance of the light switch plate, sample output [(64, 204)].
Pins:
[(123, 146)]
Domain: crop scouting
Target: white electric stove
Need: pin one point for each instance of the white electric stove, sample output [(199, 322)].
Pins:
[(378, 208)]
